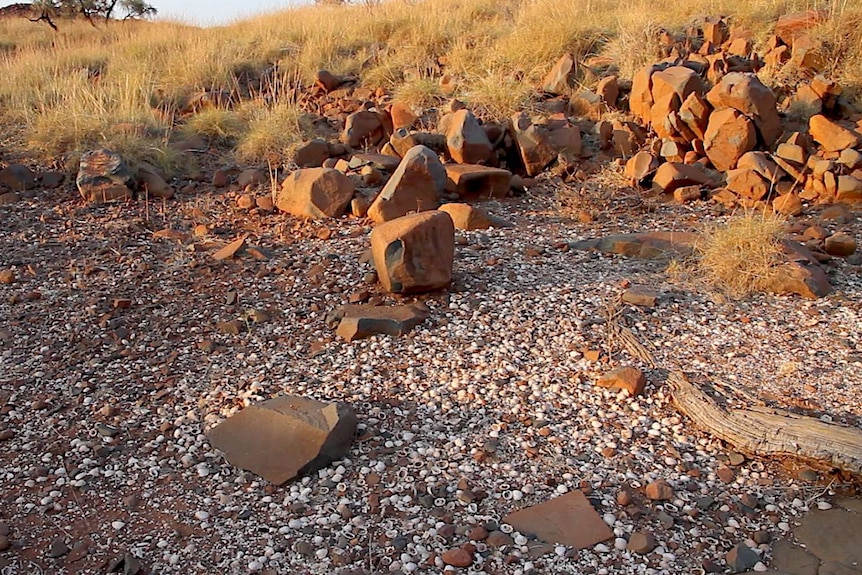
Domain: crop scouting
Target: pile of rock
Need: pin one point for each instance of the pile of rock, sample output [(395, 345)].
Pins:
[(714, 125)]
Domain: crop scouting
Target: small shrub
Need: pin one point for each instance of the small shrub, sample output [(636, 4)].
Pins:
[(742, 256), (220, 127), (273, 133)]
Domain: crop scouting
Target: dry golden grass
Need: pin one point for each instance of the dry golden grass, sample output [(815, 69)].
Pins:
[(70, 89), (742, 256)]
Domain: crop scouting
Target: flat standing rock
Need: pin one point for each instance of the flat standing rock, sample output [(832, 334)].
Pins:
[(285, 436), (568, 520), (361, 321)]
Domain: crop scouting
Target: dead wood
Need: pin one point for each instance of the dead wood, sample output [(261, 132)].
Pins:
[(770, 432)]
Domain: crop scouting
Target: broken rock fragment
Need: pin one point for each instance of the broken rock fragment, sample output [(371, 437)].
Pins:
[(569, 520), (627, 378), (363, 320), (103, 176), (466, 217), (287, 436)]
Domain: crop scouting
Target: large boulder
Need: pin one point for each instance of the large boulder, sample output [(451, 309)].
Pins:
[(315, 193), (284, 437), (415, 186), (414, 253), (832, 136), (640, 98), (540, 142), (103, 176), (728, 137), (466, 141), (747, 94)]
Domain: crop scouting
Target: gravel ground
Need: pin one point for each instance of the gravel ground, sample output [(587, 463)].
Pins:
[(113, 367)]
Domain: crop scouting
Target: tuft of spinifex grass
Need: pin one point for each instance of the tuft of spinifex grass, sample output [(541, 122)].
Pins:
[(742, 256)]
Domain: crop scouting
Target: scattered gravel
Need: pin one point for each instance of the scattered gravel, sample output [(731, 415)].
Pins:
[(488, 406)]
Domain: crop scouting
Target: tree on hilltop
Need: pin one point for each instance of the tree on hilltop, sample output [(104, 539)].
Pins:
[(92, 10)]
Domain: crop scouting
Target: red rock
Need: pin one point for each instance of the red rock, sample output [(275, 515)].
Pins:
[(728, 137), (640, 98), (803, 278), (311, 154), (677, 80), (560, 79), (466, 217), (568, 520), (627, 138), (315, 193), (539, 143), (792, 153), (466, 141), (715, 31), (760, 163), (627, 378), (641, 166), (18, 178), (664, 113), (103, 176), (747, 94), (695, 112), (788, 204), (473, 182), (609, 90), (790, 26), (7, 276), (659, 490), (457, 557), (285, 436), (402, 116), (848, 189), (641, 542), (832, 136), (840, 244), (414, 253), (327, 80), (415, 186), (673, 175), (364, 320), (807, 53), (687, 194), (747, 183), (230, 250), (362, 128)]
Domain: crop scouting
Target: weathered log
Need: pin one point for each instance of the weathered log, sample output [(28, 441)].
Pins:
[(770, 432)]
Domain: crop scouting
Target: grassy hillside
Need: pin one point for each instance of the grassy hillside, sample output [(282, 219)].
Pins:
[(126, 85)]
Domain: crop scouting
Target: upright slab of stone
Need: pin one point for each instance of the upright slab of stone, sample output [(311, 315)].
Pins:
[(414, 253), (415, 186)]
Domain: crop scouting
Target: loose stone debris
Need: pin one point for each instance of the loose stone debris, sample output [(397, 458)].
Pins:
[(482, 438)]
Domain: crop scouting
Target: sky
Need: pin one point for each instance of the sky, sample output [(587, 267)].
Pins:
[(210, 12), (214, 12)]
